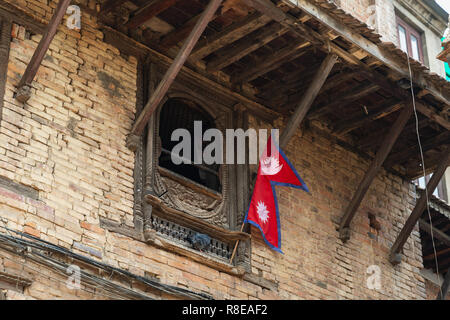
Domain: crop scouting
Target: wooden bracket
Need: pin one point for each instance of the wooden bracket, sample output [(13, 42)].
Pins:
[(373, 170), (175, 68), (420, 206), (23, 90), (308, 99)]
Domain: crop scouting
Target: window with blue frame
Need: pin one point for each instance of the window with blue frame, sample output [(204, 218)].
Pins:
[(447, 68)]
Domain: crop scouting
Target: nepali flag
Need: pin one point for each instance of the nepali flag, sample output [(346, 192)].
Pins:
[(274, 170)]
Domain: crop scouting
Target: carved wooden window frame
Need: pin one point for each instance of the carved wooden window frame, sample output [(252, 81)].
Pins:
[(161, 219)]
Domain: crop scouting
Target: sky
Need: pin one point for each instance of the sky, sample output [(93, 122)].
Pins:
[(444, 4)]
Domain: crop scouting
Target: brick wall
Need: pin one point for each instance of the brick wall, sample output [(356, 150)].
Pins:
[(377, 14), (68, 142)]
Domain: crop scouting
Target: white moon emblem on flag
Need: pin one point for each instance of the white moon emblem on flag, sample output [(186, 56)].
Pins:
[(262, 211), (270, 166)]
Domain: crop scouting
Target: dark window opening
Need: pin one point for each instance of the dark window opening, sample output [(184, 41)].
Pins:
[(180, 114)]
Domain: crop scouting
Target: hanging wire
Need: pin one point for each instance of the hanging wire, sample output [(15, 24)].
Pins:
[(424, 171)]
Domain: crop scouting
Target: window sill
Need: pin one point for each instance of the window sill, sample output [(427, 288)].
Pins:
[(203, 258)]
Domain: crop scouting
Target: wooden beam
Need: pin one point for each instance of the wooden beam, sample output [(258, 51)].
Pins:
[(17, 15), (364, 44), (303, 31), (147, 13), (5, 42), (341, 100), (376, 138), (228, 35), (443, 292), (277, 14), (174, 69), (110, 5), (438, 234), (171, 39), (428, 144), (347, 125), (245, 46), (23, 89), (389, 141), (277, 59), (308, 98), (397, 247)]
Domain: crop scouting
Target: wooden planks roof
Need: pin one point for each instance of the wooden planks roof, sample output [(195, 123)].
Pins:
[(268, 51)]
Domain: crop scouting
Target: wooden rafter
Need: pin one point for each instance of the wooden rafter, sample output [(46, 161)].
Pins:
[(110, 5), (438, 234), (427, 144), (376, 138), (245, 46), (308, 98), (380, 157), (154, 8), (303, 31), (397, 247), (341, 100), (228, 35), (23, 89), (384, 110), (180, 33), (174, 69), (365, 44), (277, 59)]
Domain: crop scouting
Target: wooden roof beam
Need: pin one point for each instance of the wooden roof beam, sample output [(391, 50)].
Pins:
[(374, 168), (363, 43), (347, 125), (395, 256), (172, 72), (228, 35), (341, 100), (308, 99), (277, 59), (438, 234), (428, 144), (245, 46), (24, 88), (110, 5), (154, 8), (171, 39), (268, 8)]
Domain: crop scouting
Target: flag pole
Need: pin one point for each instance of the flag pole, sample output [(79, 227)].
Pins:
[(236, 245)]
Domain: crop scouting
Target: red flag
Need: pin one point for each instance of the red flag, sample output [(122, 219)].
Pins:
[(274, 170)]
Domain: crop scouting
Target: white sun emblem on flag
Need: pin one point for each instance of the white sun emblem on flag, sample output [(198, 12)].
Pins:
[(270, 166), (262, 211)]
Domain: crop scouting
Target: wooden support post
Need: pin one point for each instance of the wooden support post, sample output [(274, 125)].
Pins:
[(24, 87), (445, 287), (421, 204), (388, 143), (5, 41), (307, 100), (176, 66)]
